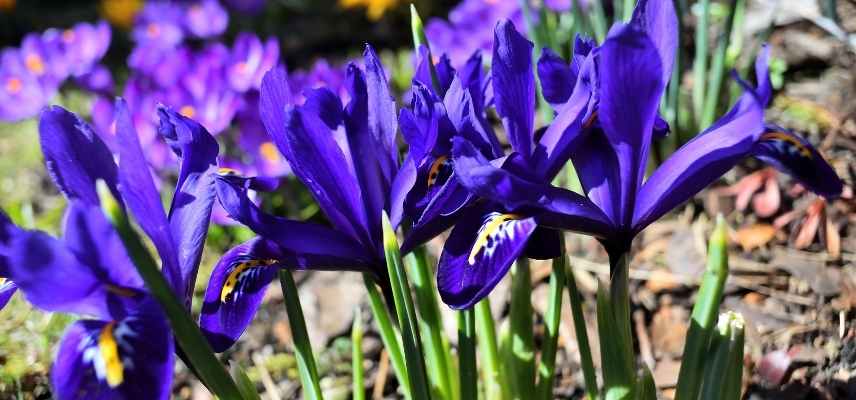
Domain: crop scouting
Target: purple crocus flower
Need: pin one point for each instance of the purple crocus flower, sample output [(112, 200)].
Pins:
[(606, 126), (80, 46), (466, 31), (21, 93), (159, 24), (347, 157), (249, 60), (205, 18)]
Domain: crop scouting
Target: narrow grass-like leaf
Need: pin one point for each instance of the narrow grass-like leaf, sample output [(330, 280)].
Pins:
[(357, 373), (619, 297), (417, 29), (522, 350), (646, 389), (437, 351), (467, 354), (733, 387), (587, 364), (302, 347), (598, 19), (700, 60), (388, 335), (717, 71), (704, 314), (199, 353), (495, 387), (406, 313), (724, 345), (245, 385), (552, 318)]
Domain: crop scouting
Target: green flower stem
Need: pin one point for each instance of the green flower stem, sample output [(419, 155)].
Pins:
[(467, 354), (388, 335), (700, 61), (521, 366), (359, 386), (437, 350), (576, 301), (717, 70), (704, 314), (734, 375), (619, 298), (616, 359), (406, 313), (302, 347), (194, 345), (494, 383), (552, 318)]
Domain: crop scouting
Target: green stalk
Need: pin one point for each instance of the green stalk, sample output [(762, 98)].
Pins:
[(437, 351), (552, 318), (302, 347), (467, 354), (646, 388), (704, 314), (619, 292), (419, 39), (245, 385), (388, 335), (576, 301), (717, 71), (615, 359), (521, 366), (406, 313), (725, 346), (359, 386), (734, 379), (486, 334), (597, 18), (194, 345), (700, 62)]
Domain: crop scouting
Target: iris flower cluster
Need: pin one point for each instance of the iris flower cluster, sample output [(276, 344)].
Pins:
[(32, 74), (499, 204)]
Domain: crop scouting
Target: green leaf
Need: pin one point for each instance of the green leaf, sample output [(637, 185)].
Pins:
[(725, 344), (245, 385), (406, 313), (467, 354), (495, 387), (359, 385), (388, 335), (302, 347), (581, 332), (552, 318), (617, 377), (521, 366)]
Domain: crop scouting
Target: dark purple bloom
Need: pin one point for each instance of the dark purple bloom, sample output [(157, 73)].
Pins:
[(347, 157), (605, 126)]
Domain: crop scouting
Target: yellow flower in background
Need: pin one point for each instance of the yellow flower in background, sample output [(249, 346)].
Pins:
[(374, 8), (7, 5), (120, 13)]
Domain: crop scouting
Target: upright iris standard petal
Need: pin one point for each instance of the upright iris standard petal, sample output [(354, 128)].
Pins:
[(75, 156), (381, 116), (139, 192), (629, 72), (478, 254), (658, 20), (193, 200), (795, 156), (127, 358), (557, 78), (236, 289), (514, 86)]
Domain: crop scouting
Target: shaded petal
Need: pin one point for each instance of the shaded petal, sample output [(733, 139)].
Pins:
[(382, 117), (795, 156), (325, 104), (472, 77), (401, 187), (554, 207), (557, 78), (478, 254), (320, 247), (514, 85), (658, 20), (129, 358), (75, 156), (236, 289), (468, 121), (701, 161), (597, 167), (629, 69), (190, 212), (139, 191)]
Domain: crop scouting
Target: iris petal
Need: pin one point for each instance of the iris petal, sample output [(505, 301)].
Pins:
[(514, 85), (795, 156)]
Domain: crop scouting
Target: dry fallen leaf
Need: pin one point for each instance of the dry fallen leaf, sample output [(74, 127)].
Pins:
[(808, 229), (767, 202), (833, 240), (754, 236)]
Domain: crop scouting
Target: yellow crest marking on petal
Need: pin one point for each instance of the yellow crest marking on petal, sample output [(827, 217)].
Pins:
[(2, 280), (434, 172), (14, 85), (269, 152), (188, 111), (233, 277), (110, 355), (34, 63), (227, 171), (487, 230), (776, 135)]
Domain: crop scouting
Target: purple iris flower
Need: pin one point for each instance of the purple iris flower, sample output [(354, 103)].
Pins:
[(205, 18), (126, 349), (249, 60), (7, 287), (347, 157), (605, 126)]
